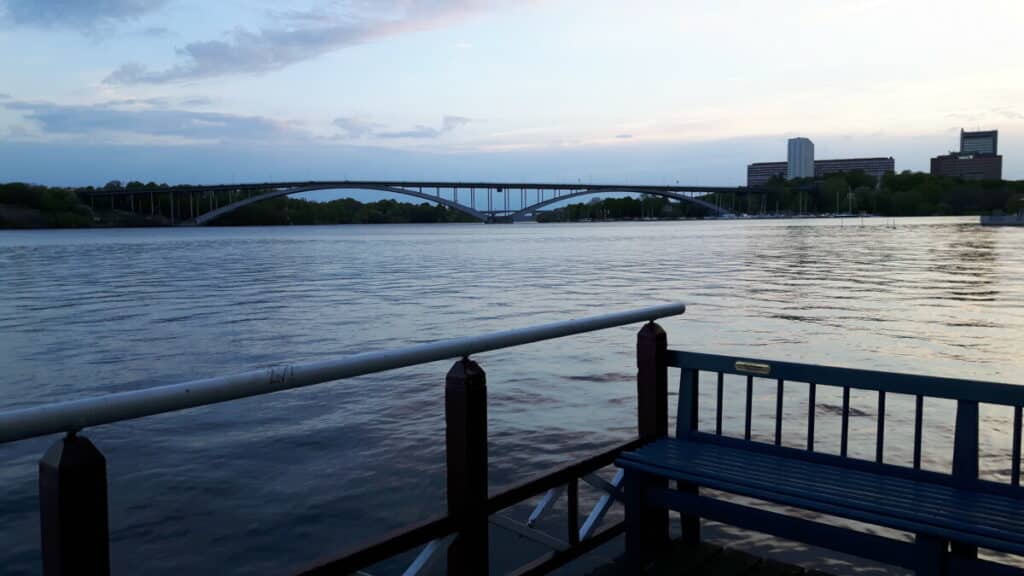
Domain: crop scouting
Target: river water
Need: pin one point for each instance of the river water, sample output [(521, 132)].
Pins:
[(270, 484)]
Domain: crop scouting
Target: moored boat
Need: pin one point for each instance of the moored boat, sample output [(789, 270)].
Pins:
[(1003, 219)]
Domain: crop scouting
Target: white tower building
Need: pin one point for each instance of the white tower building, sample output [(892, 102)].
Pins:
[(800, 159)]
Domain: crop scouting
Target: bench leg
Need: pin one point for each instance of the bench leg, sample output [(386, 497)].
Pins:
[(646, 526), (930, 553), (689, 525)]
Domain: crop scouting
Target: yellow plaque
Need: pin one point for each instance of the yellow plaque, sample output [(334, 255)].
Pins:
[(753, 367)]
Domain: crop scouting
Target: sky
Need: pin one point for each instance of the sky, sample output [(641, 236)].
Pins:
[(638, 92)]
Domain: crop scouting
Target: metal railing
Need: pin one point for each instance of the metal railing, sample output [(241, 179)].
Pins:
[(72, 473)]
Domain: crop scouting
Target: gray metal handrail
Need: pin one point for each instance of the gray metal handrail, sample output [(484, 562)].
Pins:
[(74, 415)]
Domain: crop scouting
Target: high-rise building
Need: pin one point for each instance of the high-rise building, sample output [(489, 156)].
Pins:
[(986, 142), (800, 159), (978, 158)]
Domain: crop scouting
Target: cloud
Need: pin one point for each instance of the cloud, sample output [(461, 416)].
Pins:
[(448, 123), (986, 116), (81, 14), (137, 117), (302, 35), (420, 131), (1009, 114), (355, 127), (4, 96), (157, 32), (624, 136), (197, 101)]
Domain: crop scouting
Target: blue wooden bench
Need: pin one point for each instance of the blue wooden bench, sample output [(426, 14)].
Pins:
[(951, 514)]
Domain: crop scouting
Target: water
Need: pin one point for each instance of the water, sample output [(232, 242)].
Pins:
[(273, 483)]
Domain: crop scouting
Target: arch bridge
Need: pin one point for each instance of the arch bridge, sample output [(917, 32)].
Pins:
[(485, 201)]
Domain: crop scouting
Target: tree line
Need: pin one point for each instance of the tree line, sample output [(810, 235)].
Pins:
[(341, 211), (32, 206), (904, 194)]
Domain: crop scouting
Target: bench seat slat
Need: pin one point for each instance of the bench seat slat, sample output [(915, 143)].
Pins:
[(828, 481), (975, 517), (923, 502), (870, 518), (801, 476)]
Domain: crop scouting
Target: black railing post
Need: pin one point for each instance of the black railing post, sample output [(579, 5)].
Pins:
[(647, 528), (73, 508), (652, 381), (465, 406)]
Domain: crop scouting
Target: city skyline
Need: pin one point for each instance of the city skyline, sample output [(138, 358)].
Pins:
[(182, 92)]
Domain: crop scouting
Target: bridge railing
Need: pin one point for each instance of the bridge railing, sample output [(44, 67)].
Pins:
[(72, 472)]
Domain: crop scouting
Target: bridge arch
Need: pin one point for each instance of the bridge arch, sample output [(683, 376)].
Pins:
[(277, 193), (625, 189)]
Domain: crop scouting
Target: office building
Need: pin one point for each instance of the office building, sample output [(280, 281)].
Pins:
[(800, 158), (760, 173), (871, 166), (986, 142), (978, 158), (969, 166)]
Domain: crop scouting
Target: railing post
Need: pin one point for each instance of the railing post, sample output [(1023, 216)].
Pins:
[(647, 529), (73, 508), (652, 382), (465, 406)]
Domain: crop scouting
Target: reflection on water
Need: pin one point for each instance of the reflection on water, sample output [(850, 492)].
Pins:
[(270, 483)]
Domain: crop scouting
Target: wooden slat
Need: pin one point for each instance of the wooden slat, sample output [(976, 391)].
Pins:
[(907, 496), (718, 404), (687, 409), (811, 409), (965, 442), (750, 400), (953, 388), (802, 455), (1015, 466), (864, 510), (941, 506), (778, 413), (880, 433), (956, 564), (918, 418), (573, 511), (845, 431)]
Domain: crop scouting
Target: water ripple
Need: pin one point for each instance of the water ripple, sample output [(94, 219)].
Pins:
[(271, 483)]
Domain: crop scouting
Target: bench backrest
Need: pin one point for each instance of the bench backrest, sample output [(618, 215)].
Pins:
[(967, 394)]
